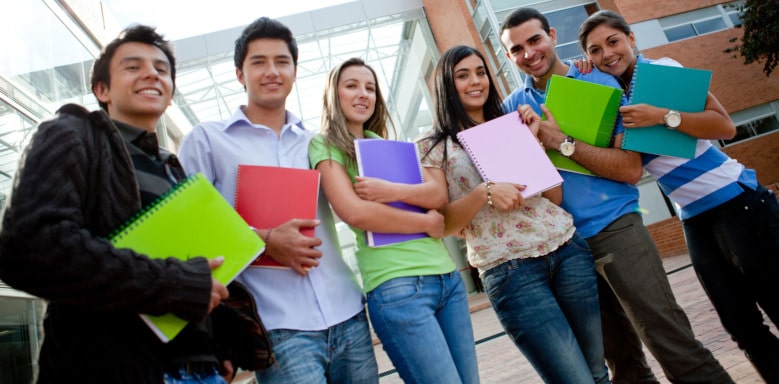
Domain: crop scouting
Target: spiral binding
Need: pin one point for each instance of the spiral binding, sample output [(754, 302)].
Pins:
[(138, 218), (237, 183), (630, 92), (464, 143)]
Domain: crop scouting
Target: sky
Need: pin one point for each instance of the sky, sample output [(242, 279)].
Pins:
[(178, 19)]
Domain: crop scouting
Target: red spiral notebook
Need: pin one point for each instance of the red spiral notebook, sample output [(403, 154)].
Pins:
[(268, 196)]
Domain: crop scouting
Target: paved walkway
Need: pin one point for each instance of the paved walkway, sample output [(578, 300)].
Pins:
[(501, 362)]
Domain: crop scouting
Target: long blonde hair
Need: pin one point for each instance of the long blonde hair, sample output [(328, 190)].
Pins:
[(334, 127)]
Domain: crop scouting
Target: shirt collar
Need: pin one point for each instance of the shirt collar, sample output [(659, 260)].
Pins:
[(239, 118), (141, 138)]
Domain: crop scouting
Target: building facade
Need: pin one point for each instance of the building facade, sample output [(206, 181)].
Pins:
[(50, 46)]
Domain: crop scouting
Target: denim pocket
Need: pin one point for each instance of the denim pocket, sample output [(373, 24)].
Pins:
[(396, 292), (495, 279)]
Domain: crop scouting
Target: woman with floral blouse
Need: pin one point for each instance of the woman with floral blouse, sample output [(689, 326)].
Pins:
[(537, 270)]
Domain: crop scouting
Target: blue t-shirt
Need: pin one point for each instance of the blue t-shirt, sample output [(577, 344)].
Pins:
[(594, 202)]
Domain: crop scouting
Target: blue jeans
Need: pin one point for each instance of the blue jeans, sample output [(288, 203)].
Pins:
[(734, 249), (548, 305), (424, 325), (342, 353), (637, 303), (186, 377)]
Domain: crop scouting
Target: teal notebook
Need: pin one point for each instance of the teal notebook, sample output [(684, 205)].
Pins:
[(678, 88), (191, 220), (585, 111)]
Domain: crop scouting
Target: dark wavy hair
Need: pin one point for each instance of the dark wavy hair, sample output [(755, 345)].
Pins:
[(450, 116), (101, 70)]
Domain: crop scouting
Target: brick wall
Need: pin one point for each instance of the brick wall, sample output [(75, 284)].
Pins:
[(668, 237)]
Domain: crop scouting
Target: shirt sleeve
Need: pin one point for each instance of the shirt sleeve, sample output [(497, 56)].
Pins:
[(195, 154), (319, 151)]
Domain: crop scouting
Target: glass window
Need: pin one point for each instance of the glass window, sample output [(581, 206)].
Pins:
[(15, 131), (711, 25), (680, 32), (735, 18), (42, 58), (19, 338), (753, 128)]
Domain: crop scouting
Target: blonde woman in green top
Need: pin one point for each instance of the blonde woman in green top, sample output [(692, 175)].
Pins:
[(416, 298)]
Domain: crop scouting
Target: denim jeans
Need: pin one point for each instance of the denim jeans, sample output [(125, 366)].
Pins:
[(342, 353), (734, 249), (638, 296), (548, 305), (424, 325), (186, 377)]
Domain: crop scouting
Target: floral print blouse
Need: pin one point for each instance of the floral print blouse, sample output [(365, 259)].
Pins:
[(494, 237)]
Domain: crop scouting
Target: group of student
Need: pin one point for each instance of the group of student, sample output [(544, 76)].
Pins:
[(573, 275)]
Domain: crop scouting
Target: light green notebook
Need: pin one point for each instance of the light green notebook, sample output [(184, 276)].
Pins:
[(585, 111), (191, 220)]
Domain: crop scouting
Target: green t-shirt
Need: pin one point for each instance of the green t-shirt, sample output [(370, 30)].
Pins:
[(419, 257)]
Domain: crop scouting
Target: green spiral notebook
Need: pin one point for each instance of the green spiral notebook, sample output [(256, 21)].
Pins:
[(678, 88), (585, 111), (191, 220)]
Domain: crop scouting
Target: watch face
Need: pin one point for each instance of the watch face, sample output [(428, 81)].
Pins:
[(566, 148), (673, 119)]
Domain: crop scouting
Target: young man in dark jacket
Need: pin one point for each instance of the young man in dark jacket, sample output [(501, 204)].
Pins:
[(83, 175)]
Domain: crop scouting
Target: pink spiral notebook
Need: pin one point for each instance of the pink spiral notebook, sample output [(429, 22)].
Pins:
[(504, 150)]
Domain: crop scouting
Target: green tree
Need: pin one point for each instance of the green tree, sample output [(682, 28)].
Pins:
[(760, 21)]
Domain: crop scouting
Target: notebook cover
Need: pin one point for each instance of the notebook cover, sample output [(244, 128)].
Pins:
[(268, 196), (504, 150), (585, 111), (395, 161), (193, 219), (678, 88)]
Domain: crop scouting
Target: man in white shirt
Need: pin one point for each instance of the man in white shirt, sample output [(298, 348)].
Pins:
[(314, 310)]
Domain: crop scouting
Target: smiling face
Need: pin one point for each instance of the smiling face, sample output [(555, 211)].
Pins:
[(531, 48), (140, 88), (357, 96), (473, 86), (612, 51), (268, 73)]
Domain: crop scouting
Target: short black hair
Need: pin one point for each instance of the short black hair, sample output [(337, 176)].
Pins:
[(520, 16), (101, 70), (264, 28)]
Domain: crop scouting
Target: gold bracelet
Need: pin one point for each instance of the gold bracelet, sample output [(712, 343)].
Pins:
[(489, 184)]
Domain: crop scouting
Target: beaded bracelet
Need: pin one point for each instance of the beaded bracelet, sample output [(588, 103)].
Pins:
[(489, 184)]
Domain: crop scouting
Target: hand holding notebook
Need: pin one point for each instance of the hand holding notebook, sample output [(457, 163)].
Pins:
[(678, 88), (269, 196), (372, 161), (191, 220), (504, 150)]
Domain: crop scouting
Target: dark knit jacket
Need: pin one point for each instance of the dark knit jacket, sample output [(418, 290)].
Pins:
[(76, 183)]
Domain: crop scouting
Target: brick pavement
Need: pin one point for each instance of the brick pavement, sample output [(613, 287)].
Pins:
[(501, 362)]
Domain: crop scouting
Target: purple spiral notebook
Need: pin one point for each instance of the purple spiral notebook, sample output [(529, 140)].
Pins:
[(395, 161), (504, 150)]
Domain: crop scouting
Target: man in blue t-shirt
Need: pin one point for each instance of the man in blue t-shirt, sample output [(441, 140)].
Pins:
[(637, 303)]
